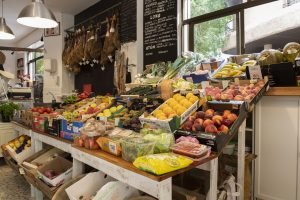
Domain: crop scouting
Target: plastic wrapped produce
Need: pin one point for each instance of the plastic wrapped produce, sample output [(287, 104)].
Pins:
[(163, 142), (110, 144), (162, 163), (133, 148)]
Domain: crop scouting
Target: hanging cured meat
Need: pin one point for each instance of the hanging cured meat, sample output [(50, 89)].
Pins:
[(97, 46), (104, 53), (90, 40)]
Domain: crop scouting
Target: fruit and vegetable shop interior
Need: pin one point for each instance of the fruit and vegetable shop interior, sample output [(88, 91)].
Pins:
[(149, 100)]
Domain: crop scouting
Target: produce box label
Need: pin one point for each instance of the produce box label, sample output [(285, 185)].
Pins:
[(255, 72)]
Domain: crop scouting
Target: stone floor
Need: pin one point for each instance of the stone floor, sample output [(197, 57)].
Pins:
[(12, 185)]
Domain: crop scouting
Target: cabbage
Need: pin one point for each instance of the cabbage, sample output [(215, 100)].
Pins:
[(291, 51), (163, 142), (269, 57)]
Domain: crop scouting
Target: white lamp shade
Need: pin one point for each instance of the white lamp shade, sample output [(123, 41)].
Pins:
[(5, 32), (37, 15)]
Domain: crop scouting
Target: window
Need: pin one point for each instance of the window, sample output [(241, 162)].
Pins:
[(215, 27), (35, 69), (212, 37)]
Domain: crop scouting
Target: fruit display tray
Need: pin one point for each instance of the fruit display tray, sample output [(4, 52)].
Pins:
[(169, 125), (218, 141), (211, 77), (249, 105)]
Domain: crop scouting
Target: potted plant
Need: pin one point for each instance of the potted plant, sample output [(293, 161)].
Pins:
[(7, 111)]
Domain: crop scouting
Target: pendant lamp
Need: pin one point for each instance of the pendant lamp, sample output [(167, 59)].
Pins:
[(37, 15), (5, 32)]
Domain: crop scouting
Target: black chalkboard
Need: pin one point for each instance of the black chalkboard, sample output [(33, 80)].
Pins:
[(160, 31), (128, 13)]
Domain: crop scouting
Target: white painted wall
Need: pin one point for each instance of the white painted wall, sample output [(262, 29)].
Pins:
[(61, 82)]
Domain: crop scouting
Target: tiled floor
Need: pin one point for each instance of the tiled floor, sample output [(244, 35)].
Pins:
[(12, 185)]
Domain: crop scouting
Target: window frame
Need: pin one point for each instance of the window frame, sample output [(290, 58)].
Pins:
[(238, 10)]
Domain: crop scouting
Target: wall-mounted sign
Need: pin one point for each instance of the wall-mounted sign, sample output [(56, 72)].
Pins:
[(160, 31)]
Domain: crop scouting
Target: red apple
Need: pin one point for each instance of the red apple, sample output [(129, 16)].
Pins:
[(200, 114), (209, 112), (199, 121), (191, 118), (211, 129), (208, 116), (187, 126), (207, 122), (217, 119), (232, 117), (226, 113), (227, 122), (223, 129), (218, 96), (196, 127)]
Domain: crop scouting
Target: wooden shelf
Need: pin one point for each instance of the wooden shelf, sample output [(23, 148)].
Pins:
[(283, 91), (118, 161)]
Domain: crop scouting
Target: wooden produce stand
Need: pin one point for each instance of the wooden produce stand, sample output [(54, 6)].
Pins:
[(157, 186)]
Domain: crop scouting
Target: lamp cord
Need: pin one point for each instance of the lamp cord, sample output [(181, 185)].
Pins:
[(2, 9)]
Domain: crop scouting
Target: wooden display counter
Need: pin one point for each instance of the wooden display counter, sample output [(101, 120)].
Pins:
[(283, 91)]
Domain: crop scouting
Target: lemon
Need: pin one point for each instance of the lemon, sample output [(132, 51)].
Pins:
[(119, 107), (189, 95), (113, 109), (100, 115)]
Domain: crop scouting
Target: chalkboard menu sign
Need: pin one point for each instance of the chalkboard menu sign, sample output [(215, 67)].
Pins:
[(160, 31), (128, 21)]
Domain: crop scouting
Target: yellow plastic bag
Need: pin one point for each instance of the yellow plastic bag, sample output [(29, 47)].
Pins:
[(162, 163)]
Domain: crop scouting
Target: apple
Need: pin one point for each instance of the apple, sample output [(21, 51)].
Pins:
[(207, 122), (40, 110), (209, 112), (34, 109), (187, 126), (227, 122), (199, 121), (217, 119), (196, 127), (191, 118), (211, 129), (200, 114), (239, 98), (223, 129), (226, 113), (232, 117), (218, 96), (208, 116)]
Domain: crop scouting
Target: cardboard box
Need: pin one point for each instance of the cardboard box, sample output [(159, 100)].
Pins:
[(88, 185), (41, 158), (69, 131), (61, 166), (169, 125), (19, 157)]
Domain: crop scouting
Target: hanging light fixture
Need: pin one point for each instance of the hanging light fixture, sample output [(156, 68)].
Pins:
[(5, 32), (37, 15)]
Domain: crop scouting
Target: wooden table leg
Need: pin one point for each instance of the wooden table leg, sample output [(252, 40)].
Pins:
[(213, 179), (165, 189), (241, 158)]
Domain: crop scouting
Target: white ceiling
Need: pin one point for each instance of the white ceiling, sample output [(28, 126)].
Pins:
[(12, 9)]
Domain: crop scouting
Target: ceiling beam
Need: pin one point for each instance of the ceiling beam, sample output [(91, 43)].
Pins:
[(20, 49)]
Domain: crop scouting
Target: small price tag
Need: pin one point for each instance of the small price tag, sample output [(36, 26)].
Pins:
[(117, 121), (189, 79), (75, 129), (21, 170), (103, 118), (237, 81), (112, 147), (204, 84), (225, 83), (255, 72)]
